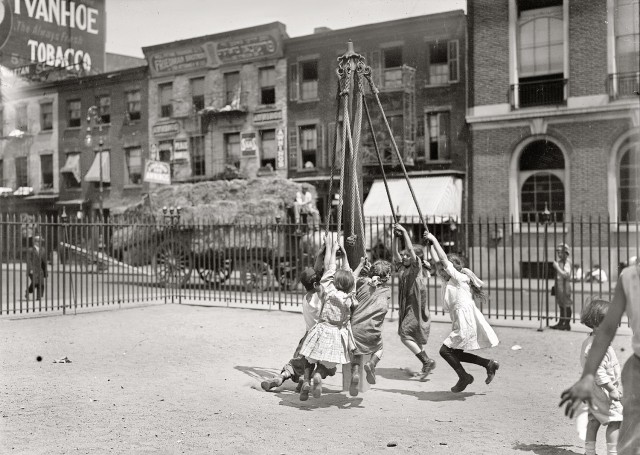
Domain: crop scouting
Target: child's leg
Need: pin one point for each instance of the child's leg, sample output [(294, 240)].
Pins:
[(490, 365), (452, 359), (285, 373), (427, 364), (306, 387), (592, 432), (355, 375), (370, 366), (613, 431)]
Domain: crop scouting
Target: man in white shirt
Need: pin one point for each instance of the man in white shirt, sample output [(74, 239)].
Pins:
[(304, 204)]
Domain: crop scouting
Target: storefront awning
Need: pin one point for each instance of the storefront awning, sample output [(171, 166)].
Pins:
[(440, 198), (72, 166), (94, 171)]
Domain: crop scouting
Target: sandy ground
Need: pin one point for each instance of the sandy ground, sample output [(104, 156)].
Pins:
[(171, 379)]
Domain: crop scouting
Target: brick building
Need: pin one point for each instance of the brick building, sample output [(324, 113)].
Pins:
[(419, 66), (120, 123), (217, 103), (554, 114), (553, 108), (28, 145)]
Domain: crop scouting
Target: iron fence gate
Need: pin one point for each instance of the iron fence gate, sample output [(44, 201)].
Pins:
[(91, 263)]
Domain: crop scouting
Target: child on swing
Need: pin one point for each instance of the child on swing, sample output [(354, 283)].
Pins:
[(470, 330), (330, 341), (414, 319)]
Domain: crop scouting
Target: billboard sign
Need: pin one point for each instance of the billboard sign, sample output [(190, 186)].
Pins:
[(68, 36), (157, 172)]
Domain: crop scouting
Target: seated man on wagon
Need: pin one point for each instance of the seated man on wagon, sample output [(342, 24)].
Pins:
[(304, 204)]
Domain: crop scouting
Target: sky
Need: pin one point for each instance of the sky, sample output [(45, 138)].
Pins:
[(133, 24)]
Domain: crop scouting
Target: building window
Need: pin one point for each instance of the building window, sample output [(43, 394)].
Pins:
[(134, 106), (22, 119), (627, 34), (308, 146), (165, 150), (104, 108), (267, 80), (269, 148), (629, 182), (437, 136), (197, 93), (540, 53), (232, 149), (196, 147), (541, 169), (46, 172), (165, 92), (443, 62), (232, 89), (392, 67), (133, 157), (22, 175), (309, 80), (70, 172), (46, 116), (74, 113)]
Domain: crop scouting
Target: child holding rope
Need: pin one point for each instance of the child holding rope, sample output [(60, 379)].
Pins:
[(470, 330), (414, 320), (606, 408), (330, 341)]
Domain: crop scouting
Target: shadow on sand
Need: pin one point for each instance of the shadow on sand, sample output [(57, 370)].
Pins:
[(434, 396), (544, 449)]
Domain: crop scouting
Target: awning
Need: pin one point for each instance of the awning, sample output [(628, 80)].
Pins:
[(94, 171), (72, 166), (440, 198)]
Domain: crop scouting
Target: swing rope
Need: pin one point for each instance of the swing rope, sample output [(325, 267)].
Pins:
[(333, 161), (376, 92)]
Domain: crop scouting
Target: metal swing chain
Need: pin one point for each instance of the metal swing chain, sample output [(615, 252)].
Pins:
[(333, 161), (376, 92)]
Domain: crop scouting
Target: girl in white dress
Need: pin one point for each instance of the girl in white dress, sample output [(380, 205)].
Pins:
[(470, 330)]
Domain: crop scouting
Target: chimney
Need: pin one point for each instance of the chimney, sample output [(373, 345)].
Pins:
[(321, 30)]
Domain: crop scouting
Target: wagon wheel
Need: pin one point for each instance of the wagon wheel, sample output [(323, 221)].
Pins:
[(173, 263), (220, 272), (257, 276)]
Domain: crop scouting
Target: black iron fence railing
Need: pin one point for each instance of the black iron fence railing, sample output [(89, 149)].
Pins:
[(548, 92), (623, 85), (89, 263)]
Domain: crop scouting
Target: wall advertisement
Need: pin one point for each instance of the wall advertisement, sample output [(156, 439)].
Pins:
[(52, 35)]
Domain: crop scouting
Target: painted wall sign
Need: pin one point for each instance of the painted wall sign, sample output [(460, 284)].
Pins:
[(179, 60), (280, 156), (165, 128), (65, 35), (157, 172), (215, 53), (268, 116)]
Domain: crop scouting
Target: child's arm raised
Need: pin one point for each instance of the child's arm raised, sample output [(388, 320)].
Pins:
[(395, 245), (358, 269), (329, 253), (407, 241), (317, 266), (345, 259), (441, 255)]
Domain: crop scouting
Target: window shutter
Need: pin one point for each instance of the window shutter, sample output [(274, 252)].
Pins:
[(293, 82), (454, 65), (375, 68), (321, 155), (293, 147), (428, 52)]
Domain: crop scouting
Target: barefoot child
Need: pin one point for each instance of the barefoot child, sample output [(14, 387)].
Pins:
[(607, 409), (626, 298), (330, 341), (367, 318), (470, 330), (414, 320)]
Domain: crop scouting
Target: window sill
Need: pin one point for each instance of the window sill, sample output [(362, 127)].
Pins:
[(424, 161), (444, 84), (265, 107), (310, 100), (44, 132), (73, 128), (132, 186), (625, 227), (307, 170)]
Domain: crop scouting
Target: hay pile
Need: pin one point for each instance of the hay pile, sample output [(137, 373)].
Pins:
[(218, 210)]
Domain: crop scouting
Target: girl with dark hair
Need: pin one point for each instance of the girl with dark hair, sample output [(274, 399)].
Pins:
[(470, 331)]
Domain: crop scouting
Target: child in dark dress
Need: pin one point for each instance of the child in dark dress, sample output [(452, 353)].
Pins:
[(414, 323)]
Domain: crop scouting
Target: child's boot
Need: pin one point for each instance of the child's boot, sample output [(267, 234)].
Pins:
[(567, 320), (355, 375), (277, 381), (316, 386), (428, 365), (370, 369), (299, 386), (491, 371), (464, 380), (306, 387), (560, 323)]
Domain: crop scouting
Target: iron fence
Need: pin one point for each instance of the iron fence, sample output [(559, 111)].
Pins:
[(94, 263)]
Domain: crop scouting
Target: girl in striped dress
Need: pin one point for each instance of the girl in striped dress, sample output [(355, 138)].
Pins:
[(330, 342)]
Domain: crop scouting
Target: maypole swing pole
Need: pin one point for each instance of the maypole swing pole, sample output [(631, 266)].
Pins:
[(352, 206)]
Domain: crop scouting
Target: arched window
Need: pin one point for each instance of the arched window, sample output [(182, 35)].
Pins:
[(541, 177), (629, 181)]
